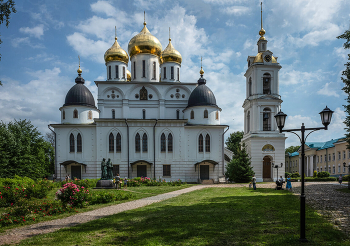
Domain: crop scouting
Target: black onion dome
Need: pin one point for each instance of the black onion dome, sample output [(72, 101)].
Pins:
[(201, 95), (79, 95)]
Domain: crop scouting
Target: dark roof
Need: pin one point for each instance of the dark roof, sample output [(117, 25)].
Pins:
[(79, 95), (201, 95)]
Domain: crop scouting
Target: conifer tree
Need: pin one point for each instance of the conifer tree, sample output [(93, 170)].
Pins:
[(239, 169), (346, 88)]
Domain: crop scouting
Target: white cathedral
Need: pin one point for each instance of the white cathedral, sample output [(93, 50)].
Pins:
[(150, 124)]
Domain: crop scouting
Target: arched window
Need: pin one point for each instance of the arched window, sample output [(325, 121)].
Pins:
[(177, 114), (164, 73), (71, 143), (63, 114), (162, 143), (143, 68), (109, 72), (172, 72), (250, 86), (207, 143), (111, 142), (178, 74), (266, 119), (90, 115), (170, 143), (113, 114), (118, 143), (267, 83), (79, 143), (248, 122), (134, 70), (75, 113), (217, 115), (123, 72), (206, 114), (117, 71), (249, 63), (192, 114), (154, 70), (143, 93), (144, 143), (143, 113), (200, 143), (137, 143)]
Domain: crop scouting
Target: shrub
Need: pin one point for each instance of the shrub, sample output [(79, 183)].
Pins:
[(73, 195), (295, 175), (323, 174), (101, 197), (346, 178), (122, 195), (286, 174), (314, 174), (312, 179)]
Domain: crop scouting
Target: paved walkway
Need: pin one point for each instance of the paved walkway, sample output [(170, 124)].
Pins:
[(324, 197)]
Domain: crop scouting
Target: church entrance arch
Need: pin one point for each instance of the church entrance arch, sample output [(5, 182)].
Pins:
[(266, 167)]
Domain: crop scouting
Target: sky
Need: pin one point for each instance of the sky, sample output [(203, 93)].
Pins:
[(41, 46)]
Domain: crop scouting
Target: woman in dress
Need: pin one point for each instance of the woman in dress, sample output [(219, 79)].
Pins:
[(289, 183)]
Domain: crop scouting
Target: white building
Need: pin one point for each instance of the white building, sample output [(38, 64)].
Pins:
[(147, 122), (264, 144)]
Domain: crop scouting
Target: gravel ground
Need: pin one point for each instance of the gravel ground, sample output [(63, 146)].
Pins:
[(324, 197)]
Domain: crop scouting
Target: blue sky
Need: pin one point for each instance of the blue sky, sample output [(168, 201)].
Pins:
[(41, 46)]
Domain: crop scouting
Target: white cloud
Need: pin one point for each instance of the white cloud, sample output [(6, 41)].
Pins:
[(103, 7), (236, 10), (289, 76), (328, 90), (36, 31)]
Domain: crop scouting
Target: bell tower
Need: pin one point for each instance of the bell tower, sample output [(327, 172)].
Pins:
[(264, 144)]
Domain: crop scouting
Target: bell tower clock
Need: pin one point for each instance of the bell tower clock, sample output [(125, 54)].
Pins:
[(264, 144)]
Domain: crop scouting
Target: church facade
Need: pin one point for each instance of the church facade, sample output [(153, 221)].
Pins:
[(147, 122), (263, 142)]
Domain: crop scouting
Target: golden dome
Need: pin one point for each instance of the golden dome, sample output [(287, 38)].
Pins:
[(128, 75), (259, 58), (144, 42), (170, 54), (116, 53)]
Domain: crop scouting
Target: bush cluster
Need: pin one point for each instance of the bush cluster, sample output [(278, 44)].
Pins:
[(312, 179), (73, 195), (323, 174), (145, 181)]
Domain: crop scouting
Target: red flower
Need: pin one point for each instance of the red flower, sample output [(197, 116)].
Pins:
[(24, 220)]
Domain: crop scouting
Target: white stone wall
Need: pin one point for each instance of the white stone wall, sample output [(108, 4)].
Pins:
[(113, 65), (167, 66), (83, 113), (149, 59), (199, 115)]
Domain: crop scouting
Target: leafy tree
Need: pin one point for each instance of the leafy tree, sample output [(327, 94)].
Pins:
[(292, 149), (346, 88), (50, 137), (24, 152), (5, 10), (233, 142), (239, 169)]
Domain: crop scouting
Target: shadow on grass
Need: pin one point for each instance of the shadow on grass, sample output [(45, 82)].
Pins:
[(213, 216)]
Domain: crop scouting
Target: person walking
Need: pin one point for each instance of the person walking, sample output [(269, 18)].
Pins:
[(125, 183), (289, 183), (340, 179), (117, 181), (254, 181)]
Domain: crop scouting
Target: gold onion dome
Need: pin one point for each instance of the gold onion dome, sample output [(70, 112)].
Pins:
[(145, 43), (128, 75), (79, 70), (116, 53), (170, 54), (201, 72)]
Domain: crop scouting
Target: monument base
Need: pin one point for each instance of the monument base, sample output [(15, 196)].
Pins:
[(105, 184)]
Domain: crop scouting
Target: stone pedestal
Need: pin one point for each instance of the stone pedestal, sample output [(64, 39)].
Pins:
[(105, 184)]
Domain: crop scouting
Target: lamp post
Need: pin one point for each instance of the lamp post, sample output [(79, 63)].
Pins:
[(276, 166), (326, 116), (348, 174)]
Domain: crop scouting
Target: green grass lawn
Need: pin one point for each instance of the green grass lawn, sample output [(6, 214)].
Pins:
[(137, 192), (213, 216)]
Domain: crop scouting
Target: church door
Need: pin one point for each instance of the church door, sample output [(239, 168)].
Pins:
[(142, 171), (204, 172), (266, 167), (75, 172)]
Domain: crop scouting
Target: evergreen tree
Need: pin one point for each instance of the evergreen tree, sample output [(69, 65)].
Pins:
[(24, 152), (233, 142), (346, 88), (239, 168)]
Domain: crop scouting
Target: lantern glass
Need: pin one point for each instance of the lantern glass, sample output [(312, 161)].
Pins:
[(280, 119), (326, 116)]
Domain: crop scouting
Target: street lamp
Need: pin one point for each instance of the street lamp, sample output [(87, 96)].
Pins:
[(348, 174), (326, 116), (276, 166)]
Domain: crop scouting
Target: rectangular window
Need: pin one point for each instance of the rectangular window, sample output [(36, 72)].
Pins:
[(164, 73), (344, 155), (143, 68), (177, 114), (109, 72), (333, 156), (144, 114), (134, 70), (321, 158), (166, 170), (123, 72), (178, 74), (339, 156), (172, 72), (329, 157), (154, 70), (115, 170), (117, 71), (333, 169), (338, 169)]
